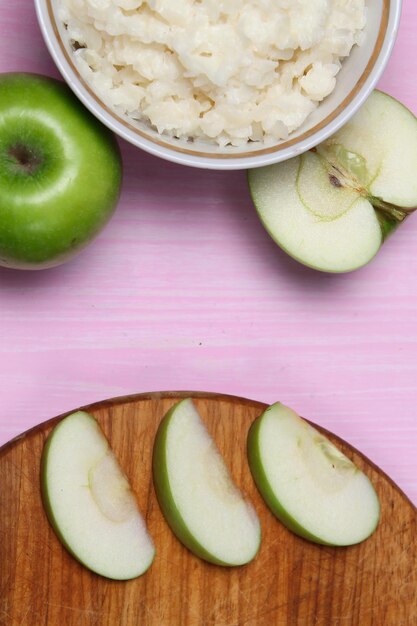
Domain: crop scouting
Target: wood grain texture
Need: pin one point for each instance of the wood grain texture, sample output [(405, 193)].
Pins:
[(184, 289), (290, 583)]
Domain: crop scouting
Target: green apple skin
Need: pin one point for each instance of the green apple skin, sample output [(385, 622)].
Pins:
[(262, 483), (45, 495), (49, 508), (60, 173), (165, 497)]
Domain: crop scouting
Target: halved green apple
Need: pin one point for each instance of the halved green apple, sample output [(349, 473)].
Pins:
[(89, 501), (308, 483), (198, 498), (332, 207)]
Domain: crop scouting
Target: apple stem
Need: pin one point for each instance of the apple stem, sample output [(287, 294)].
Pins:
[(389, 215), (391, 212), (398, 214)]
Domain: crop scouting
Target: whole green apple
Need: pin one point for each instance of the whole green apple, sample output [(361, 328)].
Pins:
[(60, 173)]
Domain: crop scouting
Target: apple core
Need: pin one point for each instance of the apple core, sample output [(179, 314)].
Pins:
[(332, 207)]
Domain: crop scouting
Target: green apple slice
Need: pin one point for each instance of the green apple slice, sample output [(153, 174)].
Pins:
[(198, 498), (89, 501), (332, 207), (308, 483)]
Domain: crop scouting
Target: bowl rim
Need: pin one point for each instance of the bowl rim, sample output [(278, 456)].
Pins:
[(390, 18)]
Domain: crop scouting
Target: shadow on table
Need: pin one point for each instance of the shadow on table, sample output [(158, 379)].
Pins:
[(200, 192)]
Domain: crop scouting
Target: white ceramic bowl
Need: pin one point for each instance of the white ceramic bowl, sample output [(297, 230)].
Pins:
[(355, 81)]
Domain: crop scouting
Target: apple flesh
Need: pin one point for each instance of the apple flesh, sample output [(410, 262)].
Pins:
[(308, 483), (89, 501), (198, 498), (60, 173), (332, 207)]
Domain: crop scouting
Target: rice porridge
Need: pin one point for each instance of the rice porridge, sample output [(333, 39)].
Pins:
[(220, 71)]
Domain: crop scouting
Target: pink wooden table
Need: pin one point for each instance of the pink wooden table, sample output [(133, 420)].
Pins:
[(185, 290)]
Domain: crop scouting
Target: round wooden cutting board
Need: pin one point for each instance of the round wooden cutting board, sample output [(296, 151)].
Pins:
[(290, 583)]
